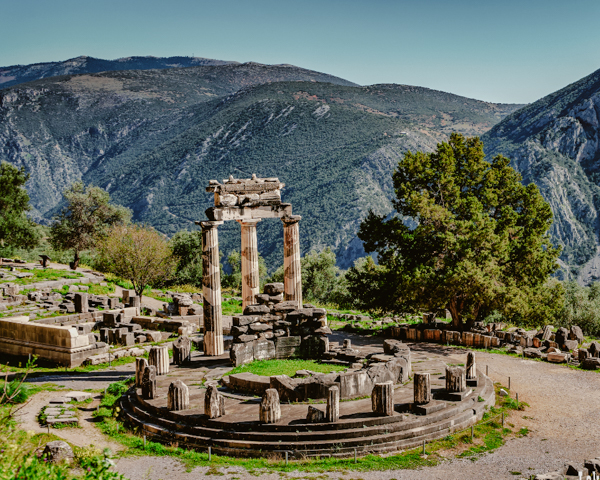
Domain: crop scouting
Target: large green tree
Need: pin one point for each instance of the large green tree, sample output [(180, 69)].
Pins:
[(469, 237), (85, 219), (16, 230)]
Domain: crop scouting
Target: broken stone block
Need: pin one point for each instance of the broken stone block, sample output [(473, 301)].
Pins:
[(149, 383), (382, 399), (570, 344), (332, 412), (422, 388), (140, 368), (178, 397), (214, 402), (241, 320), (127, 339), (182, 350), (591, 363), (315, 415), (241, 353), (273, 288), (576, 334), (159, 357), (270, 409), (58, 452), (557, 357), (81, 302), (256, 310)]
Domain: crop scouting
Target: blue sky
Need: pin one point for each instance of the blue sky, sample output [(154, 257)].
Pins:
[(501, 51)]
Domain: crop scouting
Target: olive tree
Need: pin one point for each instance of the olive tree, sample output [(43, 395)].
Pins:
[(137, 253), (85, 219)]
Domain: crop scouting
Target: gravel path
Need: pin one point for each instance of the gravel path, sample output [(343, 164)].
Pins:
[(562, 419)]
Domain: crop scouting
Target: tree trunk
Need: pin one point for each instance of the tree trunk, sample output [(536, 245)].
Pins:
[(75, 262)]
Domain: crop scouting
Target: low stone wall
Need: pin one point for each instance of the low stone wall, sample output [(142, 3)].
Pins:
[(445, 337), (395, 366), (277, 329), (54, 344)]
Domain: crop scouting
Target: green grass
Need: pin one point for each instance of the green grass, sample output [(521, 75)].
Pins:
[(232, 307), (269, 368), (48, 274)]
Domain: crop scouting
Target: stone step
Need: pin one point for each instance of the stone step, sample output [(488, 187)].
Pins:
[(342, 442)]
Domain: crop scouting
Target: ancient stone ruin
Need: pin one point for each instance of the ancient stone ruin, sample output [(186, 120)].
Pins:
[(247, 201)]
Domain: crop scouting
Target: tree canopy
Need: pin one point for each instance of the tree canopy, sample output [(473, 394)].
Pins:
[(137, 253), (469, 237), (85, 219), (16, 230)]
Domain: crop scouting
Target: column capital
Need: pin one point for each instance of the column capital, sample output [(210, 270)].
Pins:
[(251, 222), (291, 219), (209, 224)]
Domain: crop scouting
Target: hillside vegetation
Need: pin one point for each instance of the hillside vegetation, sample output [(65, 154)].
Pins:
[(154, 138)]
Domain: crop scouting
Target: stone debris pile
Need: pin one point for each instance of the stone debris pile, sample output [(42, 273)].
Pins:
[(274, 328)]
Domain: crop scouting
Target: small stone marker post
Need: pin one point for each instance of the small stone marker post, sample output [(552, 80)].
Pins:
[(422, 384), (270, 409), (382, 399), (140, 366), (214, 403), (471, 366), (149, 383), (178, 397), (455, 379), (182, 350), (332, 413), (159, 357), (81, 302)]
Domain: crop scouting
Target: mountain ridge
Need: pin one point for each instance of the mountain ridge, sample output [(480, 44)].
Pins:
[(153, 139)]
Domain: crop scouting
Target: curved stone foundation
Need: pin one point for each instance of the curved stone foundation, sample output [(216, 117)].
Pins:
[(240, 433)]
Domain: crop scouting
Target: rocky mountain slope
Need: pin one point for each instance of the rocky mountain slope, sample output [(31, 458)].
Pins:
[(555, 142), (154, 138), (16, 74)]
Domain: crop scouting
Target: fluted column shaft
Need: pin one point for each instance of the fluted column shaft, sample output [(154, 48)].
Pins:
[(250, 277), (292, 279), (211, 289)]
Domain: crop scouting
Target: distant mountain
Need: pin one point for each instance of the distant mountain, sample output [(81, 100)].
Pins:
[(555, 143), (16, 74), (154, 138)]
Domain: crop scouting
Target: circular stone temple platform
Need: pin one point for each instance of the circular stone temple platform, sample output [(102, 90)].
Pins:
[(240, 433)]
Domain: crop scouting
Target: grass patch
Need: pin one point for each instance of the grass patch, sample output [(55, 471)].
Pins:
[(49, 274), (232, 307), (269, 368)]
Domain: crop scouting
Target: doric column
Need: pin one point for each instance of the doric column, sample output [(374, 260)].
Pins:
[(292, 279), (250, 277), (211, 289)]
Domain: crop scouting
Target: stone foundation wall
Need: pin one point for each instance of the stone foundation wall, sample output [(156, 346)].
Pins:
[(277, 329), (61, 345)]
